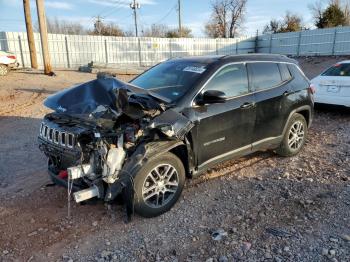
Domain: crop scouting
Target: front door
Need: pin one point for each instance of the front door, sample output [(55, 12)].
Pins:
[(225, 128)]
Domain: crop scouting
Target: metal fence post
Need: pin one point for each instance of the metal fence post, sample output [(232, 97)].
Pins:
[(256, 47), (139, 47), (334, 41), (21, 49), (170, 49), (299, 41), (270, 47), (237, 46), (106, 51), (216, 46), (67, 51)]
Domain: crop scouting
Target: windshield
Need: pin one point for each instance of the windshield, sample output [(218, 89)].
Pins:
[(171, 79), (338, 70)]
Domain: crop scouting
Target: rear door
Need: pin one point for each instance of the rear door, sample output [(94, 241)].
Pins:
[(225, 127), (270, 83)]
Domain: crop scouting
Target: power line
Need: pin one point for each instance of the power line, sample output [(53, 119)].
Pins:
[(167, 14)]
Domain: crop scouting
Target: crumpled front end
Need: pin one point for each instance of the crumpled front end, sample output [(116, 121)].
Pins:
[(97, 130)]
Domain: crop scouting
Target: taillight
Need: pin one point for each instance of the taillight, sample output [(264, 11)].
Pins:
[(312, 88), (11, 56)]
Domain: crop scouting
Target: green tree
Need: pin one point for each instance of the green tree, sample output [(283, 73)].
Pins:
[(332, 16)]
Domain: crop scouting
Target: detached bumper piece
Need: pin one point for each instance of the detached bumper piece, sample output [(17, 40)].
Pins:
[(86, 194)]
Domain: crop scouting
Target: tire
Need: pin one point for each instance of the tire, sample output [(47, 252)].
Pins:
[(294, 137), (150, 187), (3, 70)]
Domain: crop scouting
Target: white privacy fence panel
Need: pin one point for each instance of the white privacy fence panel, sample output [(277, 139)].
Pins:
[(74, 50), (329, 41)]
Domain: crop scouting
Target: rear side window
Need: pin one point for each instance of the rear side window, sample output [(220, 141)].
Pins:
[(338, 70), (285, 73), (264, 75), (232, 80)]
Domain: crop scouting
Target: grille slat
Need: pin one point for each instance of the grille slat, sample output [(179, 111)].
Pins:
[(56, 136)]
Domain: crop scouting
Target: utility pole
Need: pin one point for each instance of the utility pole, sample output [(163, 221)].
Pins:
[(98, 25), (30, 34), (134, 5), (43, 35), (179, 13)]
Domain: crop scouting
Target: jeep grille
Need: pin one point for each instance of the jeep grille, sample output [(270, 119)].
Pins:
[(56, 136)]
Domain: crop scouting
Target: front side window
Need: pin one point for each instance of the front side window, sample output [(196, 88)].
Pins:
[(338, 70), (264, 75), (232, 80)]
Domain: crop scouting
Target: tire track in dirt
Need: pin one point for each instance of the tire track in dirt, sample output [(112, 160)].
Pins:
[(18, 107)]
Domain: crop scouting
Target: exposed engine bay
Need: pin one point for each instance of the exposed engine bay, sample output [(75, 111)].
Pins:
[(99, 132)]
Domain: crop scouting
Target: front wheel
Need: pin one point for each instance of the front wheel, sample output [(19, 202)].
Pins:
[(158, 185), (294, 137)]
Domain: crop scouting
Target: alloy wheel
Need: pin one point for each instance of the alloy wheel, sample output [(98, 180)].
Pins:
[(160, 186), (296, 135)]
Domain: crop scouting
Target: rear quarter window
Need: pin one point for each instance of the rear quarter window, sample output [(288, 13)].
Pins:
[(285, 73), (301, 82), (264, 75)]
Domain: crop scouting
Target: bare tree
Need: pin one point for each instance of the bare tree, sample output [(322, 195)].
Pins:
[(273, 27), (156, 30), (290, 23), (237, 9), (174, 33), (316, 10), (226, 18), (110, 29), (55, 26)]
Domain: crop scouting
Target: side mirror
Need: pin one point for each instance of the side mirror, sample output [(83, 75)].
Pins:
[(212, 97)]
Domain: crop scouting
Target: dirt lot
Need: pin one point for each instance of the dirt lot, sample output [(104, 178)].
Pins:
[(267, 208)]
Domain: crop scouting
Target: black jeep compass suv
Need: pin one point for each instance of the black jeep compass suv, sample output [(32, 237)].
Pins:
[(141, 139)]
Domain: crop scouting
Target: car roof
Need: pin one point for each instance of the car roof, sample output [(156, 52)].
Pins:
[(237, 58)]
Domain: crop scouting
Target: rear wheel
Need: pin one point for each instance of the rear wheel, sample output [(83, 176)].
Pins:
[(158, 185), (3, 70), (294, 137)]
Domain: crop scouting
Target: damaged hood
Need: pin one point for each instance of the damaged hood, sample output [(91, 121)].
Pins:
[(110, 93)]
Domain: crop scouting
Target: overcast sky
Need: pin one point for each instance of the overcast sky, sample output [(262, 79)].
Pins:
[(195, 12)]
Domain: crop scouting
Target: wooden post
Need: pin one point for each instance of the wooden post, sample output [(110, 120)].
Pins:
[(43, 35), (30, 34)]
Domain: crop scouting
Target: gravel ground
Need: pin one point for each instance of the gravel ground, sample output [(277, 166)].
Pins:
[(258, 208)]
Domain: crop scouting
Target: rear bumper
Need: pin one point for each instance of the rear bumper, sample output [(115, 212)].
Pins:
[(332, 100)]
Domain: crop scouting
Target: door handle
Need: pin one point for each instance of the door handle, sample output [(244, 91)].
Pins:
[(247, 105)]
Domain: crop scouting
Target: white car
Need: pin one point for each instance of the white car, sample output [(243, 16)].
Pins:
[(7, 61), (333, 85)]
